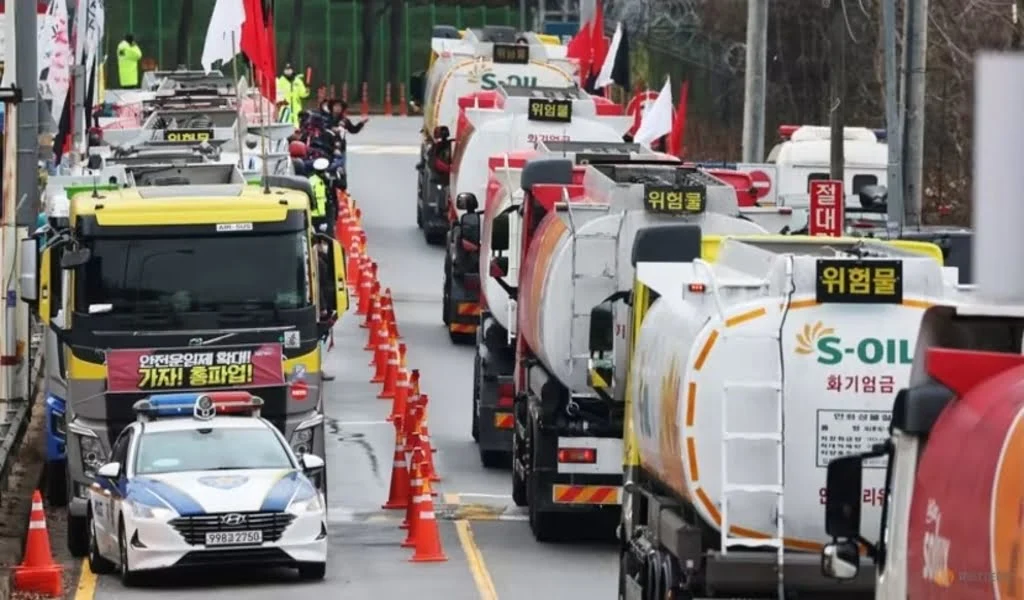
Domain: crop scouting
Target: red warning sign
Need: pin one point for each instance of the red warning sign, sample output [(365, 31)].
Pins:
[(762, 183), (826, 216)]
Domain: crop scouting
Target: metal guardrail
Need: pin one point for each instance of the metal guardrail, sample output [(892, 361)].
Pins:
[(13, 427)]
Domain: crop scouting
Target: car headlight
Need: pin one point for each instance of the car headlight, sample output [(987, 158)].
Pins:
[(308, 504), (143, 511), (93, 454), (302, 441)]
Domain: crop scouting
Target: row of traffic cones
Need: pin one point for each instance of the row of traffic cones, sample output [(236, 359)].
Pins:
[(38, 573), (414, 469)]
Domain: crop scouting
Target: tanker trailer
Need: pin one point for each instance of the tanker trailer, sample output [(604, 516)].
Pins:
[(494, 363), (574, 253), (749, 374)]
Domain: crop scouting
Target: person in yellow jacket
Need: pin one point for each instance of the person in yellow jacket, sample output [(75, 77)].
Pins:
[(319, 209), (128, 56), (291, 91)]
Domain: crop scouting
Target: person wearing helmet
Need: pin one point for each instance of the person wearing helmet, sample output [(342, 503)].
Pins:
[(319, 209), (441, 155)]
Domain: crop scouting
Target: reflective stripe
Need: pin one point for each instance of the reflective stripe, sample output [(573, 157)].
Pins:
[(37, 525), (427, 515), (37, 506)]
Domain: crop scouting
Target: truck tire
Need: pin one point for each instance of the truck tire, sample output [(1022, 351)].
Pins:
[(543, 525), (476, 397), (78, 536), (494, 459), (434, 238), (519, 495), (419, 216)]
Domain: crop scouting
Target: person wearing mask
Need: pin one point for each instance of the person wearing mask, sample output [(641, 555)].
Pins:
[(291, 92), (128, 56), (318, 212), (441, 155)]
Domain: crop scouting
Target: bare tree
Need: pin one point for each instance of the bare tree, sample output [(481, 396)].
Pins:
[(184, 26)]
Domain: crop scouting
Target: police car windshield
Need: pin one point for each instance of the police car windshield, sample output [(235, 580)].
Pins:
[(217, 449), (196, 274)]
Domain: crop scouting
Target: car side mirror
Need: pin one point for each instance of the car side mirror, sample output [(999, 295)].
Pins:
[(840, 560), (73, 259), (311, 463), (602, 328), (467, 201), (111, 470), (843, 497), (499, 266), (499, 233)]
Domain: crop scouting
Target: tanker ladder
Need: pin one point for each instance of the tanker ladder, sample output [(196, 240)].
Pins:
[(772, 387)]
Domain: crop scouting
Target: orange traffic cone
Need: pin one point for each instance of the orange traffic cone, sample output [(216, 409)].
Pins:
[(380, 357), (362, 238), (374, 326), (37, 572), (352, 268), (388, 305), (423, 437), (398, 408), (398, 493), (423, 427), (427, 536), (391, 375), (414, 381), (365, 289), (412, 513), (374, 313), (401, 357)]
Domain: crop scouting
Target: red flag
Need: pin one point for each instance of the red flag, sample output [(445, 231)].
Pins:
[(269, 87), (598, 42), (579, 48), (675, 137), (254, 45)]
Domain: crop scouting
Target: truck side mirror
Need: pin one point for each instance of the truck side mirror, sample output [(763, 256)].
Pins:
[(467, 201), (499, 233), (28, 270), (840, 560), (602, 328), (843, 497)]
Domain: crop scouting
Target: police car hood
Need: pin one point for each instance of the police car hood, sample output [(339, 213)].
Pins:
[(236, 490)]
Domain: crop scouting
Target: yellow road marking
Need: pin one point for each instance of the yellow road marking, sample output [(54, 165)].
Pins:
[(86, 583), (475, 559)]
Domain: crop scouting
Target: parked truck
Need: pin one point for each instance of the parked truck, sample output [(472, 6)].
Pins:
[(144, 292), (574, 253), (748, 370)]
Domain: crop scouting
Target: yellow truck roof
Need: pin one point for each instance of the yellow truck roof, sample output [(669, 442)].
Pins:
[(188, 205)]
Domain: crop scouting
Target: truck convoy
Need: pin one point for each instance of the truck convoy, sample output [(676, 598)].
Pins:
[(748, 370), (481, 60), (143, 291), (573, 253), (523, 118)]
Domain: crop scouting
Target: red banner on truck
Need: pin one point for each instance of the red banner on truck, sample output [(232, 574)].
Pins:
[(171, 369)]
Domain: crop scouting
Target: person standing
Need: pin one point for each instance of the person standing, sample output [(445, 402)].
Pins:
[(128, 56), (291, 91)]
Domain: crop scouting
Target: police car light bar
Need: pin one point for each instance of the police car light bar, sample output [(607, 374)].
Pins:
[(202, 406)]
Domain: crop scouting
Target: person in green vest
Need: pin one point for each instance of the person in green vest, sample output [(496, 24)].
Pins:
[(291, 91), (128, 56)]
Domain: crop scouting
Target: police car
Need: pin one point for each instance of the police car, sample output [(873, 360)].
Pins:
[(200, 480)]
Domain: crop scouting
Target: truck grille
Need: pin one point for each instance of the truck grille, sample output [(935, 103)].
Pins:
[(195, 528)]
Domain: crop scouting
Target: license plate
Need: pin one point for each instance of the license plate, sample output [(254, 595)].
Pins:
[(233, 538)]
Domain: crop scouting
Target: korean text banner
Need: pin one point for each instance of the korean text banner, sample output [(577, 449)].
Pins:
[(166, 369)]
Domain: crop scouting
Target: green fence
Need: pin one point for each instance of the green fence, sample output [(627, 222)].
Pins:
[(324, 35)]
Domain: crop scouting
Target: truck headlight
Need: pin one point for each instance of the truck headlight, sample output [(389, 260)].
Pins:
[(93, 454), (302, 441)]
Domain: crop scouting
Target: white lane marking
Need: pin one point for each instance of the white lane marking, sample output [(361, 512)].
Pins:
[(499, 496), (361, 423)]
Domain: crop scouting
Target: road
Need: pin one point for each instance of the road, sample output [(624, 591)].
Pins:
[(491, 553)]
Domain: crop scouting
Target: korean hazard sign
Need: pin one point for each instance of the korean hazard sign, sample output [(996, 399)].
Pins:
[(826, 216)]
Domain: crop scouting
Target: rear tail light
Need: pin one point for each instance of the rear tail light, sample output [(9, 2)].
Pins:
[(506, 395), (577, 455)]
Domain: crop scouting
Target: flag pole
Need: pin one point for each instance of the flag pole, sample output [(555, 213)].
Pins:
[(239, 115)]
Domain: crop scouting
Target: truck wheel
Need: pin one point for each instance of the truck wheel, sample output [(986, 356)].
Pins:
[(518, 483), (78, 536), (654, 583), (476, 397), (446, 296), (544, 525), (434, 238), (419, 217), (57, 483)]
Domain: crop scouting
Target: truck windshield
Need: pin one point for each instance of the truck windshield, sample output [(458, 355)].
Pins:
[(196, 274)]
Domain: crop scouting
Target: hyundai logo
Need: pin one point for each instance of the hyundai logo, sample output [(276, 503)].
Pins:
[(233, 520)]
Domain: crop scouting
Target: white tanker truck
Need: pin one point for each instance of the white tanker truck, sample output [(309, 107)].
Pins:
[(746, 376), (574, 253)]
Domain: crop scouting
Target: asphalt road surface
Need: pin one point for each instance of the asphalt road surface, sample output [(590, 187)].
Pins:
[(491, 553)]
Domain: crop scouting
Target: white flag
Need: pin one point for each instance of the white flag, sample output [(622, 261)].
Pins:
[(657, 121), (604, 77), (224, 33), (8, 45), (58, 41)]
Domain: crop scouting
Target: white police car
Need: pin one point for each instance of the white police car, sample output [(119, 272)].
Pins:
[(201, 480)]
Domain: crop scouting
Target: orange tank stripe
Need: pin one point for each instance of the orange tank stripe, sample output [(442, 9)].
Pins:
[(691, 403), (703, 355), (750, 315), (691, 451)]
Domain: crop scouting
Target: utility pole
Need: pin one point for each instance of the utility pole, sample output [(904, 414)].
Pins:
[(25, 40), (916, 47), (754, 81), (837, 81), (893, 123)]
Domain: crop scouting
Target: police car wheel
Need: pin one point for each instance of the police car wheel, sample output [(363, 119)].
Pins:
[(128, 578), (97, 563), (312, 571)]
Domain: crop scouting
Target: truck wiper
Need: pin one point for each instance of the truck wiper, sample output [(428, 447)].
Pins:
[(243, 307)]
